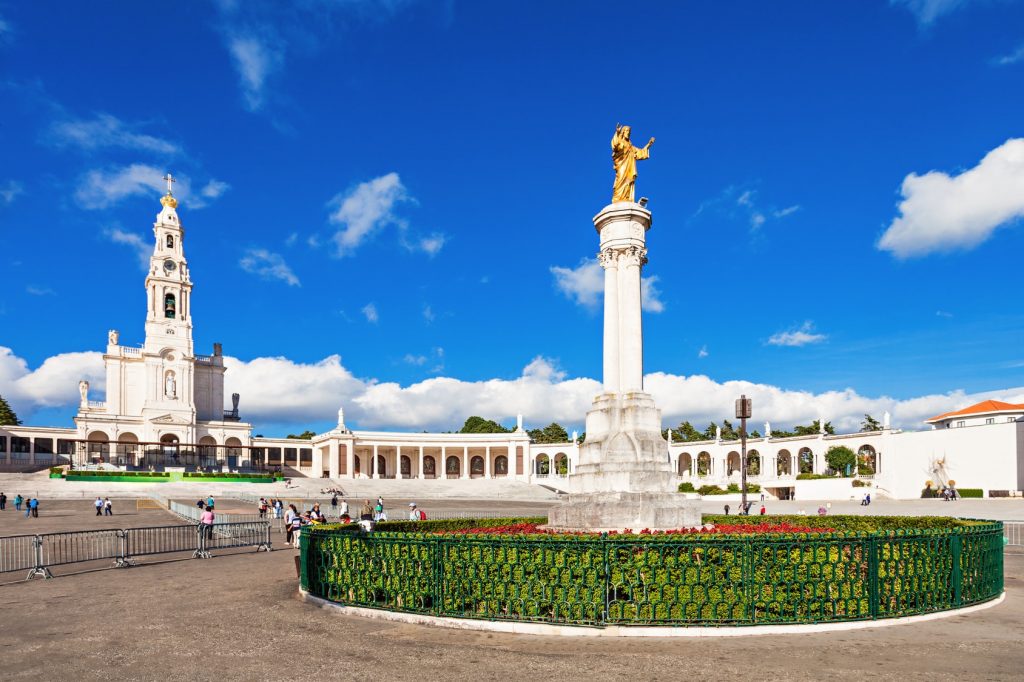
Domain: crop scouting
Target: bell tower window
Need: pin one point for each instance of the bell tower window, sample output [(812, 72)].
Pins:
[(170, 241), (169, 307)]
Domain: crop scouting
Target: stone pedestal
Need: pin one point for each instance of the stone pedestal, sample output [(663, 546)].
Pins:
[(621, 511)]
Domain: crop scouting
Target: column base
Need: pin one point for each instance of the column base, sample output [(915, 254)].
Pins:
[(618, 511)]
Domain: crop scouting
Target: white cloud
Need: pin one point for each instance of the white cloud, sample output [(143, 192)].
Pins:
[(255, 60), (940, 212), (366, 208), (432, 244), (11, 191), (103, 188), (370, 313), (789, 210), (649, 295), (106, 131), (5, 29), (292, 238), (143, 249), (927, 11), (268, 265), (40, 291), (1011, 58), (801, 336), (703, 352), (428, 313), (584, 285), (279, 390), (214, 188), (52, 384), (735, 203), (943, 313), (417, 360)]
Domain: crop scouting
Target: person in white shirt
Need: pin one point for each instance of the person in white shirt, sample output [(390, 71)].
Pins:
[(344, 508), (414, 513)]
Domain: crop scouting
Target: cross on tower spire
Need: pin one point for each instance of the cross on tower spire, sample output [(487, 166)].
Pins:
[(168, 199), (170, 180)]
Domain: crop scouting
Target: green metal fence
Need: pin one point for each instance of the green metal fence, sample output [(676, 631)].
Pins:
[(756, 579)]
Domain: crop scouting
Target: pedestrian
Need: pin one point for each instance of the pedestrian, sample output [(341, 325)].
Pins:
[(289, 518), (822, 511), (28, 507), (316, 515), (344, 507), (366, 513), (414, 514), (279, 509), (334, 503), (99, 506), (209, 501), (763, 510), (18, 499), (726, 510), (206, 523), (3, 502), (867, 499), (296, 529), (108, 509), (380, 503), (33, 505), (200, 504)]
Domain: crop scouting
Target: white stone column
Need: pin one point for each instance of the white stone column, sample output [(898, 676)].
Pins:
[(465, 462), (609, 261), (487, 462), (419, 472), (373, 463), (631, 363), (443, 465)]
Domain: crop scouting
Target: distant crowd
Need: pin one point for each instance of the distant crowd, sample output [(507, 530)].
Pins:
[(31, 504), (369, 514)]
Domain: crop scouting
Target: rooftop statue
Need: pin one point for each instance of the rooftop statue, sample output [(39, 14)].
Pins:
[(624, 158)]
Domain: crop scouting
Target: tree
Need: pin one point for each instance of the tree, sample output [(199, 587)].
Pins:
[(841, 458), (305, 435), (7, 415), (552, 433), (685, 433), (728, 431), (813, 428), (709, 433), (477, 424), (754, 434), (870, 424)]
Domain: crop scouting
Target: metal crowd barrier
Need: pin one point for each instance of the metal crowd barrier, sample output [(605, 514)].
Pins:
[(39, 553), (1014, 532)]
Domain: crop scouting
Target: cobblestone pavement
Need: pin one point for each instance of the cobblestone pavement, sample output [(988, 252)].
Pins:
[(236, 617)]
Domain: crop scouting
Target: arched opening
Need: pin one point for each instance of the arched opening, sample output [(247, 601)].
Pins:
[(453, 467), (127, 449), (561, 464), (501, 465), (234, 452), (170, 241), (684, 465), (382, 467), (476, 466), (169, 448), (207, 452), (542, 465), (753, 463), (867, 461), (732, 463), (784, 463), (99, 449), (806, 459), (170, 307), (356, 466), (405, 466), (429, 467), (704, 464)]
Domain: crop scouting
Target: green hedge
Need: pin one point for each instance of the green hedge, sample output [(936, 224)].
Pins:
[(686, 487), (970, 492), (813, 477), (117, 474), (903, 566), (215, 475)]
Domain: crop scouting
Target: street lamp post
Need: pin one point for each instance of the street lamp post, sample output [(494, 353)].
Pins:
[(743, 413)]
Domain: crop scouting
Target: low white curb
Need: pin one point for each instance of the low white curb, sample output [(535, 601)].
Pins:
[(633, 630)]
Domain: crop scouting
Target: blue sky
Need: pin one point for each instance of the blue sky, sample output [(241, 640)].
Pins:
[(388, 204)]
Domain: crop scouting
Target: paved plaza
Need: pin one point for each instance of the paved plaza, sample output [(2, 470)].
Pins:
[(237, 616)]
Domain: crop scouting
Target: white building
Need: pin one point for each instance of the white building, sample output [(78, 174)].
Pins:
[(164, 407)]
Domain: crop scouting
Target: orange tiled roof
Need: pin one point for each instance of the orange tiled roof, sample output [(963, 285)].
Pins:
[(979, 408)]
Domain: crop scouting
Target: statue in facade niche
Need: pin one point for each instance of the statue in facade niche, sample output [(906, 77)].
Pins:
[(624, 158), (170, 388), (83, 390), (112, 337)]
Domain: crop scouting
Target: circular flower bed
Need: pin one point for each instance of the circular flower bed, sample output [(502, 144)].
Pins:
[(744, 571)]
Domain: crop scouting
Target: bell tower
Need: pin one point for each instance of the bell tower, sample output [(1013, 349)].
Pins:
[(168, 285)]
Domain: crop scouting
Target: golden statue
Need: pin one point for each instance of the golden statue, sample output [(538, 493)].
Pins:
[(624, 158)]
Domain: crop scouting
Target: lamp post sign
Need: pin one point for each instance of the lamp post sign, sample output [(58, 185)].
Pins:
[(743, 413)]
